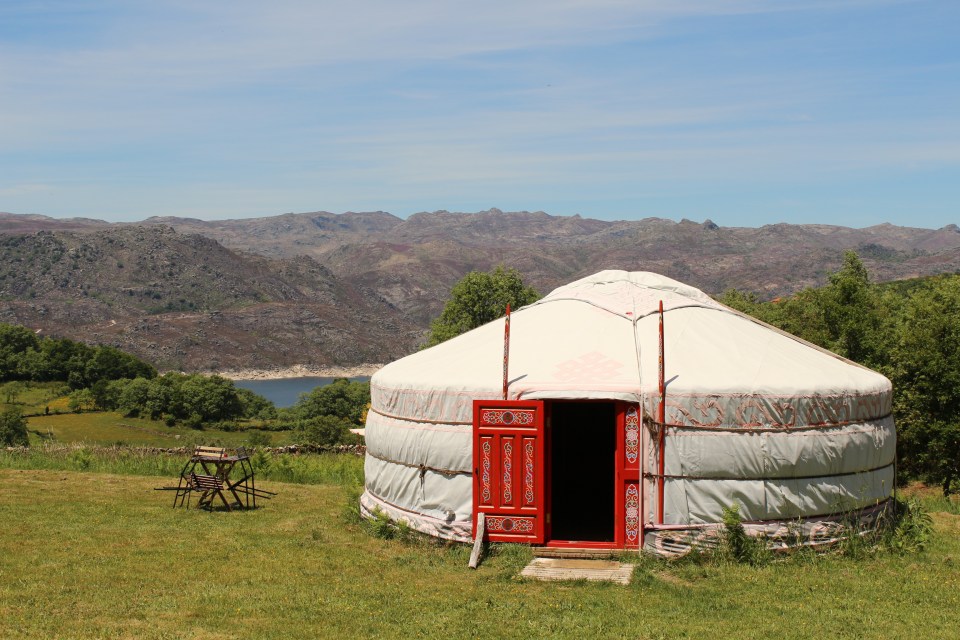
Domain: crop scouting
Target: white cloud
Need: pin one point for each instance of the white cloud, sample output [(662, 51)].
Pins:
[(186, 43), (18, 190)]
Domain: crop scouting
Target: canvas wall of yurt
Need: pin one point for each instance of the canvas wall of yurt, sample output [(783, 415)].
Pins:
[(591, 449)]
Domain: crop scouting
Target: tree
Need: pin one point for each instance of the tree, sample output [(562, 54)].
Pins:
[(25, 356), (744, 301), (108, 363), (162, 395), (479, 298), (58, 357), (13, 429), (341, 398), (209, 398), (325, 431), (106, 393), (81, 400), (925, 370), (850, 313), (132, 396), (255, 405), (12, 391), (14, 342), (194, 399)]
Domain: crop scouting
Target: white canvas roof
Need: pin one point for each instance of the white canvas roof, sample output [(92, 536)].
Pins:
[(598, 338)]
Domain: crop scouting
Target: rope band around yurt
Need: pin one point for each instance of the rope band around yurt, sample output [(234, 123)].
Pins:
[(421, 467), (668, 476), (653, 425)]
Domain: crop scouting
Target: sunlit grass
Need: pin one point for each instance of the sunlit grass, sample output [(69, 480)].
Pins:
[(932, 498), (91, 555), (36, 397)]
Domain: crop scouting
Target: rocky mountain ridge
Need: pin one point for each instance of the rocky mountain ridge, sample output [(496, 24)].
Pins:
[(257, 284), (183, 301)]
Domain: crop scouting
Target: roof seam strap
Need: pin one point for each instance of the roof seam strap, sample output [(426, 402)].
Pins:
[(637, 351), (695, 305)]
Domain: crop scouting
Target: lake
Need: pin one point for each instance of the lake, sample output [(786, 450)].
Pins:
[(286, 391)]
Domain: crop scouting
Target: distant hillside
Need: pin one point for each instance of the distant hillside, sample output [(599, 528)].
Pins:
[(185, 301), (373, 281), (414, 262)]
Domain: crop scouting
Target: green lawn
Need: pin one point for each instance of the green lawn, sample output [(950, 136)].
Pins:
[(35, 397), (109, 427), (92, 555), (38, 399)]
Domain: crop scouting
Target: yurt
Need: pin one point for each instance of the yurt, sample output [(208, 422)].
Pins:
[(627, 411)]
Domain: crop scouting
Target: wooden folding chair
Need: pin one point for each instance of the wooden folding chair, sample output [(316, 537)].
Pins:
[(209, 487)]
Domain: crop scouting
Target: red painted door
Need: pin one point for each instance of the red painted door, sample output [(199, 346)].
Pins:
[(508, 473)]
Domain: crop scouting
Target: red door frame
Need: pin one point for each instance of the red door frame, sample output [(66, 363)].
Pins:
[(626, 481), (628, 485)]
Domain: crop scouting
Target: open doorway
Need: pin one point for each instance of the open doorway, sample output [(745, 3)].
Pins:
[(583, 440)]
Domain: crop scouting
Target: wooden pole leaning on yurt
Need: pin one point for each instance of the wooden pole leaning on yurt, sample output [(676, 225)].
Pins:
[(506, 351), (662, 419)]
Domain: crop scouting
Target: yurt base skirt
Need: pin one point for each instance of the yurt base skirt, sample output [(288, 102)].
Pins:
[(812, 532), (459, 531), (677, 540)]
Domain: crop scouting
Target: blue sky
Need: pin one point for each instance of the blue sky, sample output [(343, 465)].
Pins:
[(744, 112)]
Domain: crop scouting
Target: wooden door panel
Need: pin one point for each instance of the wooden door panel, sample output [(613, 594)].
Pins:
[(508, 454), (631, 485)]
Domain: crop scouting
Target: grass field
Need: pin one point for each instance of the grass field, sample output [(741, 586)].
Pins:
[(50, 419), (324, 468), (36, 397), (93, 555), (109, 427)]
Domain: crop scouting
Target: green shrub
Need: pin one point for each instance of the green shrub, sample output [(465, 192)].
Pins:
[(351, 508), (912, 529), (257, 438), (326, 431), (342, 398), (13, 428), (737, 545), (81, 459), (12, 391), (81, 400), (381, 526)]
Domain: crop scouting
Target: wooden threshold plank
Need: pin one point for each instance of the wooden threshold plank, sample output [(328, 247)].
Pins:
[(570, 569)]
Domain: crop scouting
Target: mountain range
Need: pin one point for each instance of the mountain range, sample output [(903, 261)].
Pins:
[(327, 289)]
